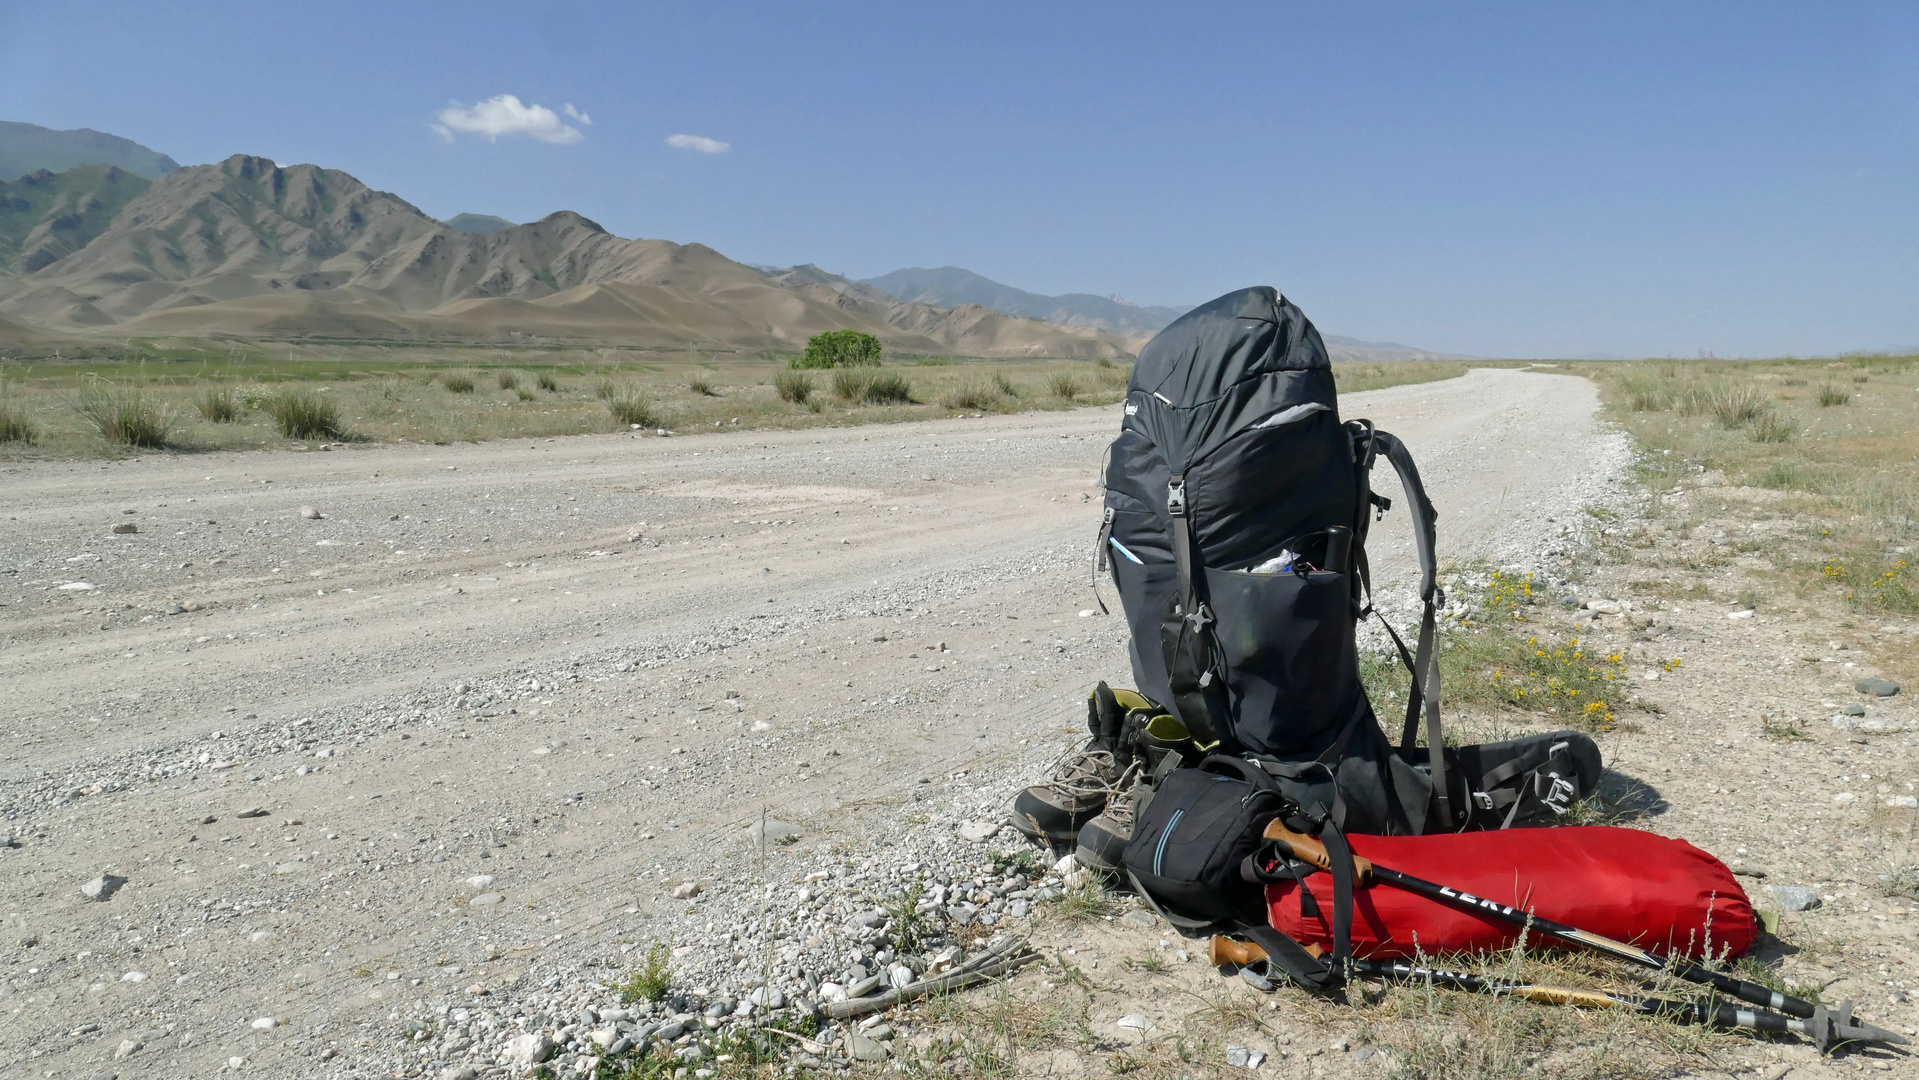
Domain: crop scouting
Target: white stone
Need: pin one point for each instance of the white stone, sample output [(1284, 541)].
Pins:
[(1135, 1021), (76, 586), (1904, 802), (832, 992), (1742, 614), (265, 1023), (978, 831), (479, 882), (1845, 798), (486, 899), (529, 1049), (134, 977), (685, 890)]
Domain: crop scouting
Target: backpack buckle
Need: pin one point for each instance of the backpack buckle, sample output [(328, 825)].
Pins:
[(1176, 496)]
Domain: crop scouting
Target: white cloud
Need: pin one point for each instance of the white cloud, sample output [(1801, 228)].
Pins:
[(507, 115), (576, 114), (698, 143)]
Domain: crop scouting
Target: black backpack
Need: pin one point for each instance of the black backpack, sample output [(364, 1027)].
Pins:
[(1236, 515)]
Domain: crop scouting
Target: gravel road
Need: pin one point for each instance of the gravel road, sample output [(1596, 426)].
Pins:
[(578, 668)]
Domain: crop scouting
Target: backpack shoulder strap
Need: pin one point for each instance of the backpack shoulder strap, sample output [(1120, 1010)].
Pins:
[(1425, 689)]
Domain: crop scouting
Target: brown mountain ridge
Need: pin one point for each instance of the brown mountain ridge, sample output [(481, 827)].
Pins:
[(246, 247)]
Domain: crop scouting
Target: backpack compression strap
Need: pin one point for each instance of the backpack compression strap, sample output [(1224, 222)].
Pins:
[(1425, 663), (1199, 694)]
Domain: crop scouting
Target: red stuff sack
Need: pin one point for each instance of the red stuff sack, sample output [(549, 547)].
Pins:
[(1661, 894)]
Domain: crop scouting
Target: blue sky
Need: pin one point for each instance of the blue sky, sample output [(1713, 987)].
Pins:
[(1495, 179)]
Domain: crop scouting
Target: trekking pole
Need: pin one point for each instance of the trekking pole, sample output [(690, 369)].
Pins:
[(1227, 951), (1828, 1026)]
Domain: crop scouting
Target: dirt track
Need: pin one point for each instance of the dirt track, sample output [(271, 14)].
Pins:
[(577, 665)]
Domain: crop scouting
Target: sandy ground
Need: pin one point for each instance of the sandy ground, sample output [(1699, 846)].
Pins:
[(580, 666)]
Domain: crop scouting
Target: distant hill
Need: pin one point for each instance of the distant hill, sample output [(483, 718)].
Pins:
[(1348, 349), (46, 216), (478, 223), (950, 286), (249, 247), (25, 148)]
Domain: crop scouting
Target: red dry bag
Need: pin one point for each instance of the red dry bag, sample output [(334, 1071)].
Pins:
[(1661, 894)]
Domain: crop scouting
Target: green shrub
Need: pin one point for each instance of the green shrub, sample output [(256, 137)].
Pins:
[(1831, 393), (303, 414), (1005, 385), (548, 383), (793, 386), (508, 380), (525, 395), (1063, 386), (651, 980), (459, 384), (124, 416), (630, 406), (840, 349), (1647, 395), (222, 406), (700, 383), (14, 423), (604, 388)]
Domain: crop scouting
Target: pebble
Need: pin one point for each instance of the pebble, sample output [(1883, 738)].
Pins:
[(310, 514), (102, 888), (978, 831), (1794, 897), (861, 1048), (1141, 918), (1845, 798), (251, 812), (685, 890), (1904, 802), (265, 1023), (1135, 1022), (486, 900), (126, 528), (126, 1049), (1853, 708), (1877, 687)]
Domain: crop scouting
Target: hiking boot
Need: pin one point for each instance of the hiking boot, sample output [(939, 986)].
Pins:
[(1055, 810), (1103, 840)]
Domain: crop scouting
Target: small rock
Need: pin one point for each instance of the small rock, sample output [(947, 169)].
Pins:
[(1877, 687), (460, 1072), (1603, 607), (685, 890), (236, 1063), (310, 513), (1135, 1022), (1794, 897), (865, 986), (479, 881), (102, 888), (1742, 613), (1853, 708), (900, 977), (529, 1049), (1904, 802), (126, 1049), (861, 1048), (126, 528), (978, 831), (1845, 798), (486, 900), (134, 977), (1140, 917), (265, 1023), (251, 812), (1238, 1056), (76, 586)]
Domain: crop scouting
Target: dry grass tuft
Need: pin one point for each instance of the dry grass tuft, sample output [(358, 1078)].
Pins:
[(548, 383), (458, 382), (793, 386), (221, 406), (1063, 386), (508, 380), (632, 407), (15, 425), (124, 416), (701, 384), (303, 414)]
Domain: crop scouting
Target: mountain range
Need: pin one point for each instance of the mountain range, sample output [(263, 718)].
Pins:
[(950, 286), (100, 232), (252, 248), (25, 148)]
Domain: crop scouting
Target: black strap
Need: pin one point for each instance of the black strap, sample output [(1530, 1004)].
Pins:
[(1306, 970), (1099, 559), (1199, 694)]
